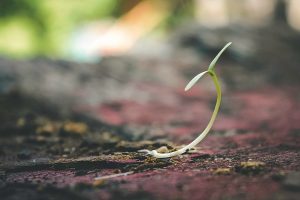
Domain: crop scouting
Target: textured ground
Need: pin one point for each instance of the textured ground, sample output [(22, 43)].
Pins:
[(73, 132), (252, 152)]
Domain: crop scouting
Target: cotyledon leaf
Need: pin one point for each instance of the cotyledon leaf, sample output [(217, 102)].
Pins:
[(213, 63), (194, 80)]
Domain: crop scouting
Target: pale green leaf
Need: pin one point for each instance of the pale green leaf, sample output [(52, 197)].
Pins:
[(194, 80), (213, 63)]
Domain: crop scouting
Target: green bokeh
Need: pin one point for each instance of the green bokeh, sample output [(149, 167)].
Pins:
[(33, 27)]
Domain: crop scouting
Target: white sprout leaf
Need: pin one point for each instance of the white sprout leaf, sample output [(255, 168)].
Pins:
[(194, 80), (213, 63)]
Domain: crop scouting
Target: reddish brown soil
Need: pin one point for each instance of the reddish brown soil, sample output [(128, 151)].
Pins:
[(253, 151)]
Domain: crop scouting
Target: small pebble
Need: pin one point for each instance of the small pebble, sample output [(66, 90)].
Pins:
[(222, 171)]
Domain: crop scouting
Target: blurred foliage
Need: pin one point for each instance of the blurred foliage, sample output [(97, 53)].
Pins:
[(182, 10), (34, 27)]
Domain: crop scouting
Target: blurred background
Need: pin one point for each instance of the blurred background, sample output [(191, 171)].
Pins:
[(86, 31)]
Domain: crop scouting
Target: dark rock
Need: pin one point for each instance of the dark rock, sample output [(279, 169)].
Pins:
[(292, 181), (24, 154)]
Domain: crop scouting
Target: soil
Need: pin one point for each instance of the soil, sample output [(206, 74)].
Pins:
[(80, 150)]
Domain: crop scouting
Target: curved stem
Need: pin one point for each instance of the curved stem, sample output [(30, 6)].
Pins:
[(211, 72), (205, 131)]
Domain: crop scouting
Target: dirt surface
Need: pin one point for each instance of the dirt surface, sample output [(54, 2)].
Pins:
[(88, 149)]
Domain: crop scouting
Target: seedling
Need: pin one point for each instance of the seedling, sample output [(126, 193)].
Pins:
[(213, 75)]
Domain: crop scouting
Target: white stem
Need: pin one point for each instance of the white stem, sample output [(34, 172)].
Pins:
[(203, 134)]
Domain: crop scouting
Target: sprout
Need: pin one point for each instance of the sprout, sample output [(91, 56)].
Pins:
[(212, 73)]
